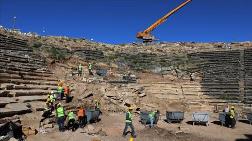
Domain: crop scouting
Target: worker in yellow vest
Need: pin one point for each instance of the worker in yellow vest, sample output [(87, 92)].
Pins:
[(90, 68), (60, 92), (128, 123), (60, 115), (80, 69), (232, 116)]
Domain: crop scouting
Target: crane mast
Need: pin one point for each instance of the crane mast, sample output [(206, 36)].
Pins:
[(146, 36)]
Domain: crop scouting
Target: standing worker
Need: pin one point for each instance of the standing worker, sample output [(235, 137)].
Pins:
[(80, 69), (82, 117), (90, 68), (97, 104), (227, 118), (98, 107), (232, 116), (60, 92), (152, 118), (60, 114), (128, 123), (71, 120), (67, 93)]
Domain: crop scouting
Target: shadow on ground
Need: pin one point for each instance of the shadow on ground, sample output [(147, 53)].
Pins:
[(248, 136)]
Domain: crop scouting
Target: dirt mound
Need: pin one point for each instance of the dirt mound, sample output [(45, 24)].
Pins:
[(161, 134)]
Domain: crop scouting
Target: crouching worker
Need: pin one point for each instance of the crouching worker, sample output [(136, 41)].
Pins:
[(71, 121), (82, 118), (128, 123), (60, 114)]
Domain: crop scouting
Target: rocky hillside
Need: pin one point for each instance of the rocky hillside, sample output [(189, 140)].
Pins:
[(199, 73)]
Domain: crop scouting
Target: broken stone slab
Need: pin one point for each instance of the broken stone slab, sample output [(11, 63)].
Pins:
[(142, 95), (6, 86), (28, 92), (14, 109), (4, 93), (91, 130), (31, 98), (6, 100), (7, 119), (130, 101)]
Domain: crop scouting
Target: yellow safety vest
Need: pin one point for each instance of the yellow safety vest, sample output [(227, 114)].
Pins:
[(128, 117), (151, 114), (60, 112), (80, 68), (90, 66), (70, 115), (52, 99), (232, 113)]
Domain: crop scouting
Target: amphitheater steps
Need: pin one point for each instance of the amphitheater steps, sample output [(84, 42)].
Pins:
[(36, 73), (25, 77), (14, 109), (34, 82), (16, 93), (6, 100), (25, 99), (9, 86)]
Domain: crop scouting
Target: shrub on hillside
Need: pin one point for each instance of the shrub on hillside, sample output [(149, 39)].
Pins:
[(58, 54), (37, 44)]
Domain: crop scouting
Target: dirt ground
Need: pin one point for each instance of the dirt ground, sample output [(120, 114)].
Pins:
[(112, 125)]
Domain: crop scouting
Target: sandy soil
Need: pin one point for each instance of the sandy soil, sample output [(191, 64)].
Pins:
[(113, 123)]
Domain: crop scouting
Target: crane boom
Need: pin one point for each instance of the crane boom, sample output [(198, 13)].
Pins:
[(145, 35)]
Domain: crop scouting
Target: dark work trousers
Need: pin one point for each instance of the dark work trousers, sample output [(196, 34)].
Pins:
[(60, 121), (71, 124), (82, 121), (67, 98), (61, 95), (129, 124), (79, 73), (227, 120), (90, 72), (233, 122)]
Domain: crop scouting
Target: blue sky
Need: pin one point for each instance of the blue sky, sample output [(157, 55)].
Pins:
[(118, 21)]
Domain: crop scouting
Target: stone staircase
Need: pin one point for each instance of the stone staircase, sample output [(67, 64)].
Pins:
[(248, 76), (226, 78), (189, 92), (24, 77)]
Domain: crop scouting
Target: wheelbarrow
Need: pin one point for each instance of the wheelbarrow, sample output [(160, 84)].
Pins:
[(92, 115), (176, 116), (200, 117), (249, 117)]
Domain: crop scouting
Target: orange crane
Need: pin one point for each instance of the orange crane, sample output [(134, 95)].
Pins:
[(146, 36)]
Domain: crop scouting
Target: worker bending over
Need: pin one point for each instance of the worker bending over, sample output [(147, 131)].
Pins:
[(60, 114), (50, 101), (128, 123), (82, 118), (67, 93), (71, 121)]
